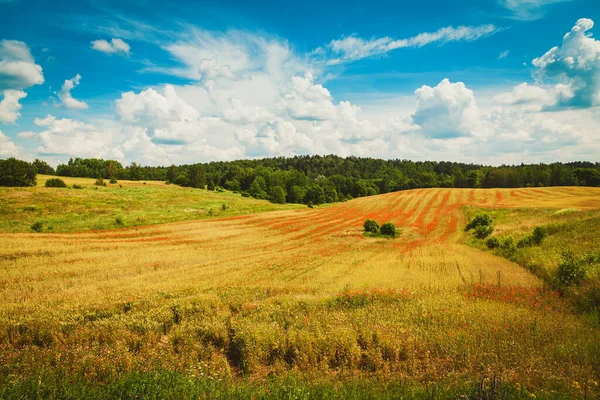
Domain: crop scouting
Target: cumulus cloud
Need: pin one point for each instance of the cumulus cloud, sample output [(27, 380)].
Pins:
[(527, 10), (7, 147), (354, 48), (65, 94), (575, 64), (18, 69), (447, 110), (116, 45), (75, 138), (9, 106)]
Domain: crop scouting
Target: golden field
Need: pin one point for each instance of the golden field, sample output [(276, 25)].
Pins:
[(245, 298)]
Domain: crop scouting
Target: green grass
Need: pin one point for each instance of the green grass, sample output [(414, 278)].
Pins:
[(568, 229), (124, 204), (172, 385), (576, 230)]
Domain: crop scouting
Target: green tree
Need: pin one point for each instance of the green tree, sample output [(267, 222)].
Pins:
[(15, 172), (277, 194), (42, 167)]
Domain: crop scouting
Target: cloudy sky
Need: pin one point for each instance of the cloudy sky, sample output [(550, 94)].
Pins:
[(486, 81)]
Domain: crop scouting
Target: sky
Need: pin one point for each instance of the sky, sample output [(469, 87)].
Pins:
[(159, 83)]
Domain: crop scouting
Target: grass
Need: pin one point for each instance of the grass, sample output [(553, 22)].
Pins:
[(297, 303), (134, 203)]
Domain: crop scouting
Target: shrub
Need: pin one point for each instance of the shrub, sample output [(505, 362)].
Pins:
[(388, 229), (527, 241), (371, 225), (76, 186), (37, 226), (210, 186), (224, 207), (15, 172), (480, 220), (56, 182), (483, 231), (571, 269), (507, 243), (539, 234), (493, 242), (100, 182), (113, 180), (118, 221)]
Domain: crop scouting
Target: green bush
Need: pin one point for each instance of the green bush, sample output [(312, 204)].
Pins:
[(539, 234), (37, 226), (371, 226), (388, 229), (479, 220), (56, 182), (527, 241), (76, 186), (224, 207), (100, 182), (493, 243), (113, 180), (571, 269), (119, 221), (483, 231)]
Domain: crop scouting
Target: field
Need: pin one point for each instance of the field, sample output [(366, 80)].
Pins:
[(292, 303), (135, 203)]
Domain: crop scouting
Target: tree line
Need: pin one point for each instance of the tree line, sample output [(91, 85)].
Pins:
[(326, 179)]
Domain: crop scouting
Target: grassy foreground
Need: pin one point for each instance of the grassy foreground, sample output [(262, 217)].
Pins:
[(293, 304), (126, 203)]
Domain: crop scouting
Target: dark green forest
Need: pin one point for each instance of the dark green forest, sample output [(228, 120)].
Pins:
[(326, 179)]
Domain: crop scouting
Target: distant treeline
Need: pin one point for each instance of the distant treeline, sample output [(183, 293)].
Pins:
[(324, 179)]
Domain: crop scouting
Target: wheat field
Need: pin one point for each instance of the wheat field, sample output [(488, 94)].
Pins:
[(297, 291)]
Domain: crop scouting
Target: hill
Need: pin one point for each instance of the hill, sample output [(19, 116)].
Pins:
[(134, 203), (296, 300)]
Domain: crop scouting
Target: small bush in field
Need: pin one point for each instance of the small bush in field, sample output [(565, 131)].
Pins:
[(100, 182), (371, 225), (37, 226), (389, 229), (119, 221), (571, 269), (483, 231), (224, 207), (492, 243), (56, 182), (76, 186), (113, 180), (480, 220), (539, 234)]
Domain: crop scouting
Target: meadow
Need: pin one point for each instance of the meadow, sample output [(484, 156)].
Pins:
[(290, 303), (134, 203)]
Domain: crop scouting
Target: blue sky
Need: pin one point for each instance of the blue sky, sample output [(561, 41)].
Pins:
[(496, 81)]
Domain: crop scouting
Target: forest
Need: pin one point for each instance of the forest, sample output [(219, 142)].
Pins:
[(321, 179)]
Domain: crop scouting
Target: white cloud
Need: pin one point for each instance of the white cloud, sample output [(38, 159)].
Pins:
[(9, 106), (18, 69), (65, 94), (27, 135), (447, 110), (116, 45), (527, 10), (77, 139), (575, 65), (232, 55), (7, 147), (353, 48), (503, 54)]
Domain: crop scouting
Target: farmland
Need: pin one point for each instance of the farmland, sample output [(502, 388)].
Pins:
[(290, 301)]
